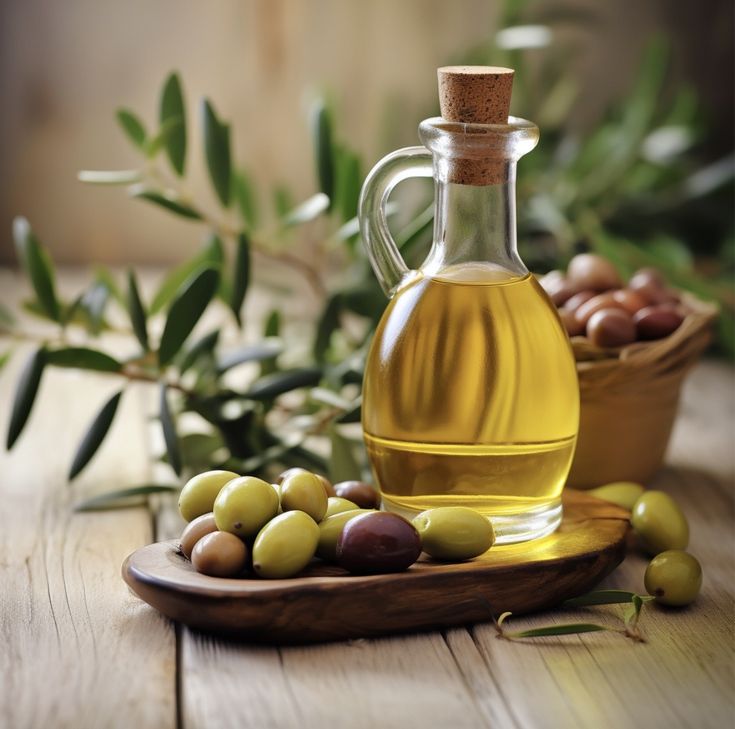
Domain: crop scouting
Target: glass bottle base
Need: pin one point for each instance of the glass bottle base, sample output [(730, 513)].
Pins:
[(510, 528)]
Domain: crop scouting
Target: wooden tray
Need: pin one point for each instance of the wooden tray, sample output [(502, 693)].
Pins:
[(327, 604)]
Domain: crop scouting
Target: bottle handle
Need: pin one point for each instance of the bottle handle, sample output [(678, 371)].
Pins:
[(385, 258)]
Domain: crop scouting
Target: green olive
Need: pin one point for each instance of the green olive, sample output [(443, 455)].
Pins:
[(621, 493), (285, 545), (195, 530), (244, 506), (219, 554), (304, 492), (198, 495), (674, 578), (659, 523), (329, 531), (336, 505), (454, 532)]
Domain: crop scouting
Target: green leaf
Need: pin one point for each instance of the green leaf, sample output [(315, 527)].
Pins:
[(600, 597), (217, 152), (353, 414), (172, 107), (132, 126), (311, 208), (342, 463), (109, 177), (5, 358), (105, 277), (328, 324), (245, 199), (278, 383), (169, 203), (321, 130), (348, 181), (169, 433), (186, 310), (124, 497), (25, 395), (37, 265), (283, 201), (82, 358), (212, 256), (136, 311), (240, 276), (93, 304), (202, 347), (569, 629), (95, 435), (272, 328), (198, 450), (7, 318), (267, 349), (168, 129)]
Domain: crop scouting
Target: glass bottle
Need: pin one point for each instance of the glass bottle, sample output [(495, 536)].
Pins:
[(470, 395)]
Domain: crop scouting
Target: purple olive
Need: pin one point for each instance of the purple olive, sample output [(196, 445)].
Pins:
[(358, 492), (655, 322), (378, 542)]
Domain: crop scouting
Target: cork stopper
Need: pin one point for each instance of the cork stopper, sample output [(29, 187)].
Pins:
[(475, 95)]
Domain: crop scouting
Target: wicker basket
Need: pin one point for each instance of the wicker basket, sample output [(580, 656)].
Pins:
[(629, 399)]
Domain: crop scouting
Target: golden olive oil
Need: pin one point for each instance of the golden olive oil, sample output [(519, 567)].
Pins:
[(471, 395)]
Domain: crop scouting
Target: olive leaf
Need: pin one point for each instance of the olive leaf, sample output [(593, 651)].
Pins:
[(342, 463), (169, 203), (600, 597), (172, 107), (37, 264), (170, 437), (240, 277), (5, 358), (321, 130), (109, 177), (212, 255), (353, 414), (311, 208), (25, 394), (265, 350), (217, 152), (348, 181), (95, 435), (124, 498), (88, 309), (105, 277), (271, 328), (185, 311), (136, 311), (82, 358), (169, 128), (203, 346), (7, 318), (278, 383), (245, 199), (283, 201), (568, 629), (329, 322), (132, 126)]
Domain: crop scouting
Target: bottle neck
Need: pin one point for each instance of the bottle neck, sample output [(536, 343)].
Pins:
[(475, 228)]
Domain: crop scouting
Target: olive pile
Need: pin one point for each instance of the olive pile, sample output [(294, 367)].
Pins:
[(241, 523), (593, 302), (673, 577)]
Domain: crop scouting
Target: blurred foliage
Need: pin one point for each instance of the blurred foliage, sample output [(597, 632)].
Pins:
[(633, 189)]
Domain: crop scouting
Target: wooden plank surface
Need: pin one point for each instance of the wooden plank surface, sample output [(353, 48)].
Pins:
[(79, 651)]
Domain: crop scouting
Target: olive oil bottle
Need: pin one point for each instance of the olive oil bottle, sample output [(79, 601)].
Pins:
[(470, 394)]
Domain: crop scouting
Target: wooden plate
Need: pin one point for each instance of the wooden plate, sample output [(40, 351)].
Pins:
[(326, 604)]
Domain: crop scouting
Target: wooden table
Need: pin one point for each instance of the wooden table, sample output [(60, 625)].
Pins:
[(78, 650)]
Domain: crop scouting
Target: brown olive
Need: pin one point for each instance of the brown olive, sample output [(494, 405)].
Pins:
[(557, 286), (577, 300), (631, 301), (571, 324), (195, 530), (219, 554), (590, 271), (327, 485), (611, 328), (358, 492), (601, 301), (378, 542), (655, 322)]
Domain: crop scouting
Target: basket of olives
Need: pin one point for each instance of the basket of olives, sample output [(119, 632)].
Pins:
[(634, 344)]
